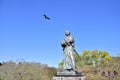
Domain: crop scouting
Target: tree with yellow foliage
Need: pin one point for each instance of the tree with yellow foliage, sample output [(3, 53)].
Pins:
[(95, 57)]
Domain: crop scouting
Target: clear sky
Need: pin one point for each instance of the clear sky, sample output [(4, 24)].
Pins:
[(25, 34)]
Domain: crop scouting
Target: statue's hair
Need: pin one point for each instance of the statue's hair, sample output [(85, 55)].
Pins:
[(67, 32)]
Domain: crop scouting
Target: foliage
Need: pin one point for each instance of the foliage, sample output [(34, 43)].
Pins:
[(25, 71), (113, 65), (60, 65), (95, 57)]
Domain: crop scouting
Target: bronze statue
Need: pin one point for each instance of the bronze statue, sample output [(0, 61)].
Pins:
[(69, 51)]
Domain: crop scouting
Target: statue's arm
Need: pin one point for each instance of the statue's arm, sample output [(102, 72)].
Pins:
[(63, 44), (72, 41)]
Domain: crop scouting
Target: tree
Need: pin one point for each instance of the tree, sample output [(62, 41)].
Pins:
[(26, 71), (60, 65), (95, 57)]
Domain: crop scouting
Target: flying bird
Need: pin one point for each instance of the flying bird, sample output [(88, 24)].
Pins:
[(46, 17)]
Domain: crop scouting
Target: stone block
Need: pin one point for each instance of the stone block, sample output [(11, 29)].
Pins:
[(69, 78)]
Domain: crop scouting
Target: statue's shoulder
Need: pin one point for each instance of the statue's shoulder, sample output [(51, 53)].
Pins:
[(71, 38)]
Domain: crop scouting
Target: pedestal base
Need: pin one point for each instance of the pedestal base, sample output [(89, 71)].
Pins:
[(68, 76)]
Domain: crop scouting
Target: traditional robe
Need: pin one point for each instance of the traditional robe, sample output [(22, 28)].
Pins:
[(68, 48)]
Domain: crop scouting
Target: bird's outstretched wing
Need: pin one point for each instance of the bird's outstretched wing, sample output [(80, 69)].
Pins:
[(46, 17)]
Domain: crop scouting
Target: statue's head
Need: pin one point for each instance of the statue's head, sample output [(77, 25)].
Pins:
[(67, 33)]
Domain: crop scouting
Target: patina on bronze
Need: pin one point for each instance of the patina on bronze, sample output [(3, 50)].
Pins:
[(69, 52)]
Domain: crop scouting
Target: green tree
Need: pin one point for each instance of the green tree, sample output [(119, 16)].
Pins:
[(95, 57), (60, 65)]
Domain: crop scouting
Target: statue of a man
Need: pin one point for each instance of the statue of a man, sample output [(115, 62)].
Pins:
[(69, 51)]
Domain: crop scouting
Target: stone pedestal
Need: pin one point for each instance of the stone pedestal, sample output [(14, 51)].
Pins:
[(68, 76)]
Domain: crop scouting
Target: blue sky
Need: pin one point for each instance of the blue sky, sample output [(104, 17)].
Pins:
[(25, 34)]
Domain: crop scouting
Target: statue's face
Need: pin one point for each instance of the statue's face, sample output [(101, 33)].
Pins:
[(67, 33)]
